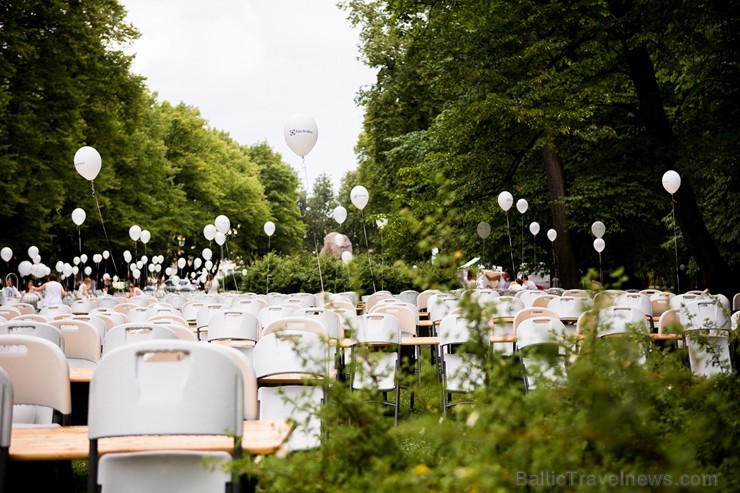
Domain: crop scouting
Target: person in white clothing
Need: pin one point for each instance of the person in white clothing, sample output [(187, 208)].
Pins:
[(54, 292), (211, 286), (10, 292)]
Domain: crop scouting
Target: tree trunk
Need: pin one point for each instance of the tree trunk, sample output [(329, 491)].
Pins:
[(701, 246), (567, 269)]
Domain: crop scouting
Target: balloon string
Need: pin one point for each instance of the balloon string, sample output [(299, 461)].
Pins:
[(105, 233), (601, 275), (522, 238), (79, 239), (267, 279), (315, 240), (233, 276), (367, 245), (511, 247), (675, 242)]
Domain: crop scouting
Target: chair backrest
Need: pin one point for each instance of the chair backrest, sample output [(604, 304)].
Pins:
[(577, 293), (682, 299), (9, 312), (659, 305), (106, 302), (54, 310), (507, 306), (607, 297), (251, 305), (31, 317), (423, 298), (587, 322), (620, 320), (440, 305), (529, 295), (176, 300), (408, 295), (24, 308), (704, 313), (649, 291), (273, 312), (454, 329), (129, 333), (540, 330), (327, 317), (293, 324), (190, 309), (374, 298), (340, 303), (636, 300), (669, 317), (6, 412), (533, 312), (570, 307), (96, 321), (408, 318), (39, 371), (204, 314), (81, 307), (175, 318), (37, 329), (142, 301), (82, 342), (138, 314), (117, 317), (123, 307), (233, 323), (166, 387), (484, 296), (291, 351), (543, 300), (736, 302), (182, 332), (378, 328), (275, 298)]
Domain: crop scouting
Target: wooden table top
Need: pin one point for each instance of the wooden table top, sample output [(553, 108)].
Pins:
[(71, 442)]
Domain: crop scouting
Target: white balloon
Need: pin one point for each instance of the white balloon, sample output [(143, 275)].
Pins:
[(598, 229), (59, 266), (127, 256), (88, 162), (671, 181), (67, 270), (33, 251), (338, 239), (145, 236), (158, 267), (78, 216), (301, 133), (359, 196), (340, 214), (209, 232), (88, 270), (106, 254), (534, 228), (144, 259), (505, 201), (522, 205), (203, 277), (38, 271), (222, 224), (181, 263), (6, 253), (83, 258), (76, 260), (244, 272), (208, 265), (106, 276), (132, 267), (136, 273), (97, 258), (37, 259), (24, 268), (381, 222), (269, 228), (599, 244), (134, 232), (207, 253), (75, 270), (197, 263), (168, 271), (152, 267), (139, 264), (552, 234), (220, 238), (346, 256), (483, 229)]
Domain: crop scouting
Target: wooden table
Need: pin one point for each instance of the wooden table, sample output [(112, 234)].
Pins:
[(83, 375), (72, 443)]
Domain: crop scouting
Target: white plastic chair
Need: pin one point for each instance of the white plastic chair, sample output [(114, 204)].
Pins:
[(81, 307), (164, 387), (129, 333), (82, 342), (271, 313), (461, 372), (233, 323), (373, 369), (6, 423), (204, 315), (540, 342), (707, 336), (40, 374), (9, 312), (38, 329)]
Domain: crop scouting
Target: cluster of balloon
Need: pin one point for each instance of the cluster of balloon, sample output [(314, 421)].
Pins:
[(340, 214), (671, 183), (209, 232), (598, 229), (505, 201)]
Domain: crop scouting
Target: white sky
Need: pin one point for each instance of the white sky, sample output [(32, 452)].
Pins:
[(248, 65)]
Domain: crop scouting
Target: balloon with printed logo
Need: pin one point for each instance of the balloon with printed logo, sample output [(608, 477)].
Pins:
[(269, 228), (78, 216), (505, 201), (301, 133), (359, 196), (88, 162), (340, 214)]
